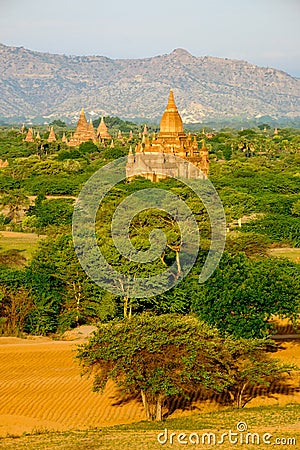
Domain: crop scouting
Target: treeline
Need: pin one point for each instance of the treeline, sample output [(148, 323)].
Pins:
[(53, 294)]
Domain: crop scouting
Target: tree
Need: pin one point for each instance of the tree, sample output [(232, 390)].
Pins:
[(242, 295), (15, 305), (59, 123), (251, 370), (251, 244), (14, 202), (88, 147), (62, 290), (56, 211), (156, 356)]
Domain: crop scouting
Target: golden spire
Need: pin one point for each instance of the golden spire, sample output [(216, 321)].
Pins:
[(171, 101), (171, 121), (102, 131), (91, 126), (82, 124)]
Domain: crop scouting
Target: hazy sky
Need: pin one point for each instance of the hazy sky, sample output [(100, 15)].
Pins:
[(264, 32)]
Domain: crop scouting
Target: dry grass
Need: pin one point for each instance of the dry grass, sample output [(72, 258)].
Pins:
[(286, 252), (281, 422), (26, 243)]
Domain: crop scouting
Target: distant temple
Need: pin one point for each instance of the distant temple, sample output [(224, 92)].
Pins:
[(84, 132), (3, 164), (29, 136), (52, 137), (102, 132), (149, 160)]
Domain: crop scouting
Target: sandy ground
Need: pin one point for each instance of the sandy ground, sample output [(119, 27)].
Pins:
[(41, 388)]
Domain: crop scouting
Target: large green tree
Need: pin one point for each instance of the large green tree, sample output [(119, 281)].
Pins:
[(156, 356), (242, 295), (163, 357)]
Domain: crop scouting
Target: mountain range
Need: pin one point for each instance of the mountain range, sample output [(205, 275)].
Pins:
[(35, 84)]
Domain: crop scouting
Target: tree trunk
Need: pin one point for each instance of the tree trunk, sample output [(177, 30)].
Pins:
[(178, 264), (146, 405), (130, 311), (159, 402), (125, 307), (239, 397)]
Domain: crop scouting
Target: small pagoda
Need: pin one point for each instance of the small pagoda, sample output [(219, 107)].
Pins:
[(51, 137), (29, 136), (102, 131)]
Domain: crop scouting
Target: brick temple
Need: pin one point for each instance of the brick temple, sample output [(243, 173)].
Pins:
[(149, 158)]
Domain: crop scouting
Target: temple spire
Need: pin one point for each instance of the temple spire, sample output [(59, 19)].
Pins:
[(29, 136), (52, 137), (102, 132), (171, 101), (171, 121)]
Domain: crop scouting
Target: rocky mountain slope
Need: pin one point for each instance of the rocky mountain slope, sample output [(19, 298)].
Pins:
[(42, 84)]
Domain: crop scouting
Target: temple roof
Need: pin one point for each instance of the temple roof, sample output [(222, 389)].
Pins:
[(82, 124), (171, 121), (102, 130)]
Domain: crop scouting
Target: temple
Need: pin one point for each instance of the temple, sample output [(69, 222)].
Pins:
[(52, 137), (29, 136), (148, 160), (102, 132), (84, 132)]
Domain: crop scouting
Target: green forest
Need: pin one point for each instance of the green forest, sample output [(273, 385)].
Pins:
[(44, 291)]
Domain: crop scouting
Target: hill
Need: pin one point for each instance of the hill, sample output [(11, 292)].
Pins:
[(50, 85)]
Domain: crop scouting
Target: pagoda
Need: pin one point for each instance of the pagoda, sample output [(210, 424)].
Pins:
[(52, 137), (149, 160), (29, 136), (83, 133), (102, 132), (3, 164)]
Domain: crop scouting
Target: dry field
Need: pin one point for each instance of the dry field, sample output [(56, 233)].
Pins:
[(41, 389), (26, 243), (286, 252)]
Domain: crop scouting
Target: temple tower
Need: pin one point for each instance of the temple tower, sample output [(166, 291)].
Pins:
[(84, 131), (52, 137), (170, 139), (29, 136), (102, 132)]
